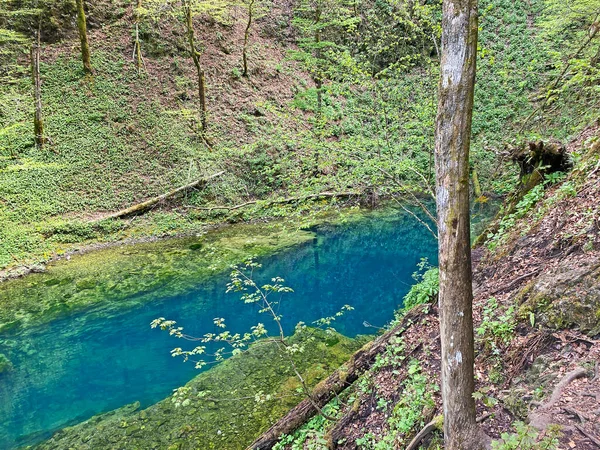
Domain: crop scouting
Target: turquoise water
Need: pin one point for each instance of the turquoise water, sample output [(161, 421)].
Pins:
[(84, 364)]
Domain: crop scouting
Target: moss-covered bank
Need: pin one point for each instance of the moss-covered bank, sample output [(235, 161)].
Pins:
[(227, 406), (128, 274)]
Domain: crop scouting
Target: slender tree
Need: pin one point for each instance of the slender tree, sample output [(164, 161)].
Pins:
[(453, 130), (83, 37), (137, 46), (247, 36), (38, 122), (195, 54)]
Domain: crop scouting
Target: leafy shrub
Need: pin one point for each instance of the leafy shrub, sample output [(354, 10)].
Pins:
[(497, 327), (526, 438), (427, 287)]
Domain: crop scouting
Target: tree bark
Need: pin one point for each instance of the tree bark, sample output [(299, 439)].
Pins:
[(453, 132), (195, 54), (246, 37), (85, 46), (137, 45), (38, 122)]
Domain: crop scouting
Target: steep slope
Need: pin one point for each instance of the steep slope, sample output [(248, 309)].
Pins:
[(122, 137), (537, 319)]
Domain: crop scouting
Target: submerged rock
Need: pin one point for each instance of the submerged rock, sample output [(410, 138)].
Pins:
[(5, 364)]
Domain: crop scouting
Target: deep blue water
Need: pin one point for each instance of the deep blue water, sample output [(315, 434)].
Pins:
[(73, 368)]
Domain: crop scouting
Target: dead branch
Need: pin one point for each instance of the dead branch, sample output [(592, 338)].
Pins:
[(516, 281), (281, 201)]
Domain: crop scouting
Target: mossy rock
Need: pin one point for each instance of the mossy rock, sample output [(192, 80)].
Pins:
[(566, 297)]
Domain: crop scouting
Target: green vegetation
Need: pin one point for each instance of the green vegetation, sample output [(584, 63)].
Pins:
[(526, 438), (497, 327), (5, 364), (304, 107), (310, 436), (128, 275), (225, 407), (426, 288), (357, 111)]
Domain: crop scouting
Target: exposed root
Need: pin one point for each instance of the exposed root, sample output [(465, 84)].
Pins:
[(435, 424), (592, 438), (541, 417)]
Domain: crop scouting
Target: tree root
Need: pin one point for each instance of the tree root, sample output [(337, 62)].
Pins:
[(592, 438), (541, 417), (436, 424)]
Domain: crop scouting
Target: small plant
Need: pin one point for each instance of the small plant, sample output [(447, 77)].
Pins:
[(407, 414), (554, 177), (487, 400), (567, 189), (507, 223), (310, 436), (497, 328), (227, 343), (427, 287), (236, 73), (527, 438)]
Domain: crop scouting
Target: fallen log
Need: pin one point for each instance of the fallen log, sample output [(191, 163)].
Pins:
[(333, 385), (280, 201), (146, 205)]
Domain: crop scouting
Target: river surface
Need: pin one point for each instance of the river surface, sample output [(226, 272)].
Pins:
[(86, 363)]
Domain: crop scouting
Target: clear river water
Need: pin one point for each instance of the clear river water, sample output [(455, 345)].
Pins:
[(86, 362)]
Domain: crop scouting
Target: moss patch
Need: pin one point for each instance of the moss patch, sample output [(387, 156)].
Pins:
[(129, 274), (222, 411), (567, 296)]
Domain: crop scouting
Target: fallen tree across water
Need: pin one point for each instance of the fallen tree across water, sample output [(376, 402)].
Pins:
[(265, 203), (146, 205), (333, 385)]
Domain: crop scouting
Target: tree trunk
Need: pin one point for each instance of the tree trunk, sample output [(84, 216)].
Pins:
[(85, 46), (189, 23), (246, 36), (146, 205), (137, 46), (453, 131), (38, 122)]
